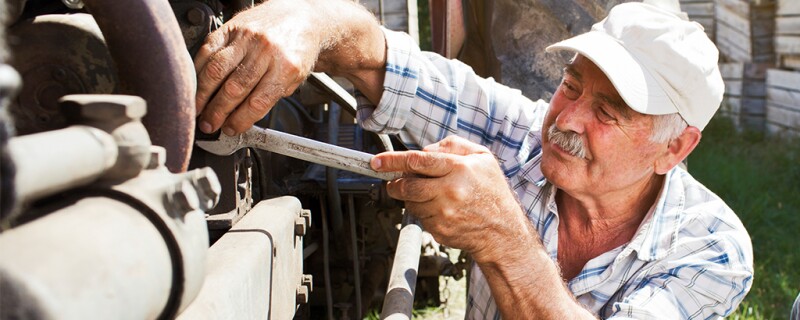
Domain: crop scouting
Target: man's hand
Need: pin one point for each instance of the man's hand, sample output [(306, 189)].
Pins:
[(258, 57), (459, 193), (264, 53)]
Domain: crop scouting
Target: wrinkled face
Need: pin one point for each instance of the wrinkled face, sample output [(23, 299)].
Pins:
[(593, 142)]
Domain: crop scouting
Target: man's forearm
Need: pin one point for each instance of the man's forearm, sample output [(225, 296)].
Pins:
[(524, 281), (355, 47)]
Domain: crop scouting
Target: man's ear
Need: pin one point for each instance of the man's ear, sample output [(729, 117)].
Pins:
[(678, 149)]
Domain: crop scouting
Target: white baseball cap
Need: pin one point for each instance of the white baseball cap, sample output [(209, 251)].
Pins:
[(659, 62)]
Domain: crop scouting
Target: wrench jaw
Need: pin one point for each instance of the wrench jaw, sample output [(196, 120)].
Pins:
[(224, 146)]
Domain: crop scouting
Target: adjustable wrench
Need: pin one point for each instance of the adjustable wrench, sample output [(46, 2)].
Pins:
[(296, 147)]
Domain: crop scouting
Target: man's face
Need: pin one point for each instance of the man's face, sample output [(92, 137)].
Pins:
[(593, 142)]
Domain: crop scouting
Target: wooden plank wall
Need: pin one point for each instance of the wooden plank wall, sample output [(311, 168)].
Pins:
[(745, 94), (787, 34), (783, 102), (745, 30), (701, 11)]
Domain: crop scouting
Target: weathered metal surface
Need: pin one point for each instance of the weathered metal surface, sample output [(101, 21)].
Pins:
[(57, 55), (399, 300), (120, 116), (255, 270), (145, 40), (196, 20), (99, 258), (83, 153), (297, 147), (235, 173), (134, 250)]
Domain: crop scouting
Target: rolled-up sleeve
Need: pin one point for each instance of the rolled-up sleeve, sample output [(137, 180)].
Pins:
[(427, 98)]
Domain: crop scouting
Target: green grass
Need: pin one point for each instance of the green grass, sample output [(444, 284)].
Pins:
[(759, 178)]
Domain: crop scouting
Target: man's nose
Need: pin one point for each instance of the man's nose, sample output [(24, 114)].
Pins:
[(574, 116)]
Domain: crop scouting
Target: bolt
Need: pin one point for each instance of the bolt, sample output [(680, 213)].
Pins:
[(181, 198), (302, 222), (104, 108), (306, 214), (299, 226), (302, 294), (207, 185), (158, 157), (308, 281), (196, 16), (59, 74)]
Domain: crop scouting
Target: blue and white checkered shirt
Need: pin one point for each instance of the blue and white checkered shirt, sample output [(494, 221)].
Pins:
[(691, 257)]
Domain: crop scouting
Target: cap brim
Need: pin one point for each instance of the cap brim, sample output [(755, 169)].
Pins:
[(633, 83)]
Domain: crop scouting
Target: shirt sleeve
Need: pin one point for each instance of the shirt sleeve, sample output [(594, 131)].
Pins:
[(427, 98), (707, 276)]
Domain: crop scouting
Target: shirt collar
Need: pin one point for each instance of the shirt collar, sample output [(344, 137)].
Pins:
[(532, 171), (656, 235)]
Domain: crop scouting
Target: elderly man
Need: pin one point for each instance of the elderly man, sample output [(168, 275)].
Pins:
[(571, 209)]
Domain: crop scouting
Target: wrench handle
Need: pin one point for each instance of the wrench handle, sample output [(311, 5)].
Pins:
[(315, 151)]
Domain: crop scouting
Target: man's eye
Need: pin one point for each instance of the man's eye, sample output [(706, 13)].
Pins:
[(605, 116), (569, 90)]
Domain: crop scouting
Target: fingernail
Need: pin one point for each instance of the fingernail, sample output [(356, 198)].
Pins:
[(376, 163), (206, 127), (228, 131)]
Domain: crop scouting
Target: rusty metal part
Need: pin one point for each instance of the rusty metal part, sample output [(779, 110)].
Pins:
[(196, 20), (145, 40), (57, 55), (236, 197), (297, 147)]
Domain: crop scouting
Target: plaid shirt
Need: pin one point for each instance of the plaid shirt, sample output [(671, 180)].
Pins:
[(691, 258)]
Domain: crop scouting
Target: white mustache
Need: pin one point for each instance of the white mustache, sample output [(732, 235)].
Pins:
[(569, 141)]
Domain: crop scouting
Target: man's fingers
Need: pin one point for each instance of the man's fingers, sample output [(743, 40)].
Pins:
[(234, 90), (418, 162), (268, 91), (214, 72), (412, 189), (213, 43), (456, 145)]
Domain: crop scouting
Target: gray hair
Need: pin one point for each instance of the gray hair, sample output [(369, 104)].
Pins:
[(667, 127)]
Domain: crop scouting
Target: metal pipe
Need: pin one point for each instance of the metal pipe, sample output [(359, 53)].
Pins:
[(354, 242), (145, 40), (332, 174), (326, 264), (84, 154), (399, 300)]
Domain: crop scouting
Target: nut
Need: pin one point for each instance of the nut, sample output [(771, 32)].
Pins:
[(158, 157), (308, 281), (302, 294), (181, 199), (196, 16), (207, 186), (87, 108), (302, 222)]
